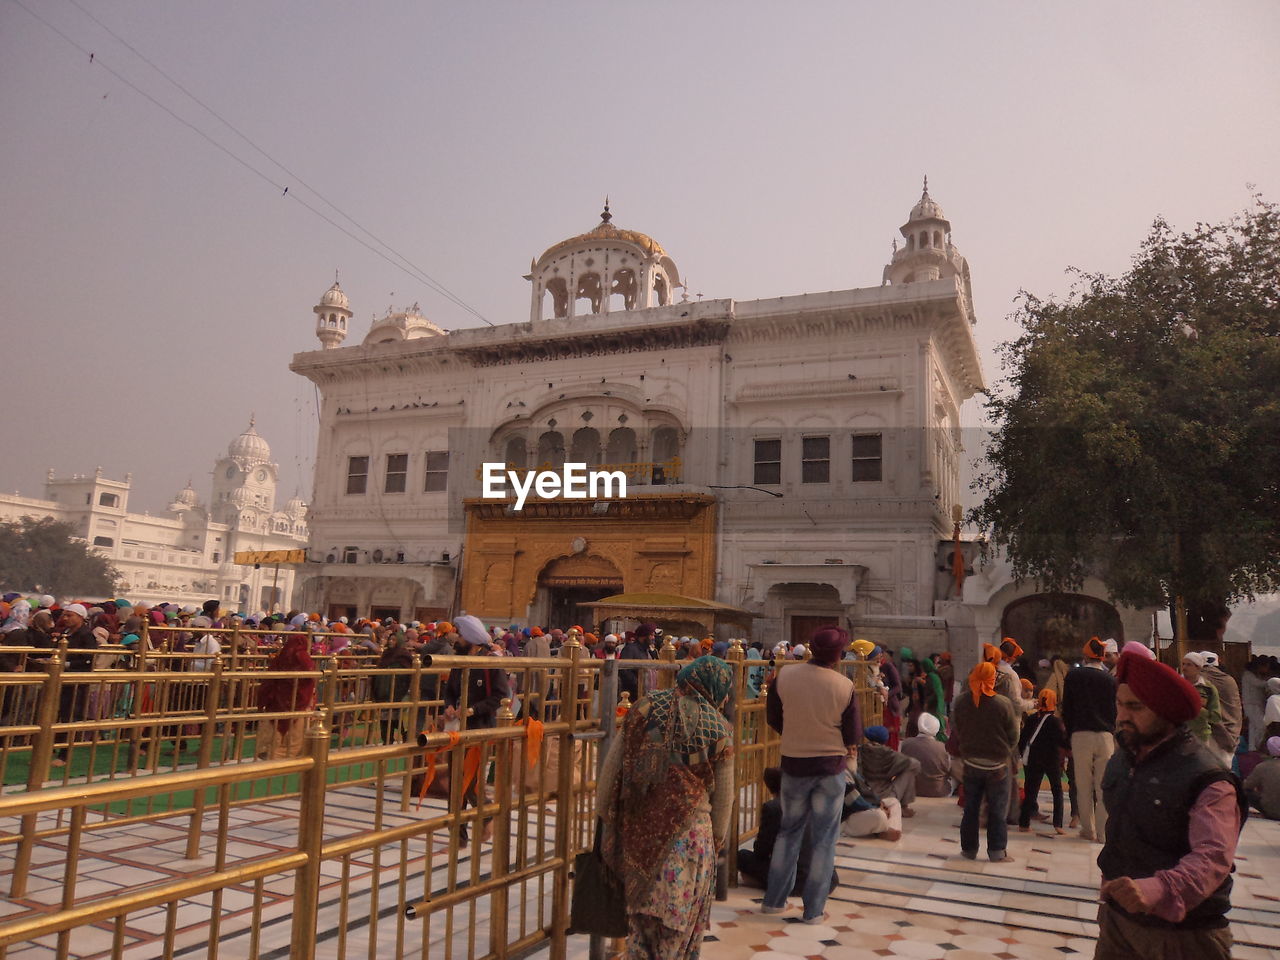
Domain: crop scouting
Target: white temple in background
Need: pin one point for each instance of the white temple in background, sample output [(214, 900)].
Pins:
[(186, 556)]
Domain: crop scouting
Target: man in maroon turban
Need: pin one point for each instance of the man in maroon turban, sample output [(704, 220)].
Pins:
[(1174, 815)]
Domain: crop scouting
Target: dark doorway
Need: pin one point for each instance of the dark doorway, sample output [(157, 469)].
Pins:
[(347, 610), (1050, 624), (803, 628), (564, 610), (381, 613)]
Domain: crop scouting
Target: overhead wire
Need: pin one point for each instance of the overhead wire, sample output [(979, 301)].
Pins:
[(424, 276), (407, 267)]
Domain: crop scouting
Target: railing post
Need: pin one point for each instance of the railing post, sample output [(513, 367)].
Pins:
[(41, 755), (727, 873), (667, 678), (609, 726), (571, 650), (505, 778), (306, 884), (137, 733), (415, 724), (331, 697), (211, 701)]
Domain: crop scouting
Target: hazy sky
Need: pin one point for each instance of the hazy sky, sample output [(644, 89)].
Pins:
[(154, 289)]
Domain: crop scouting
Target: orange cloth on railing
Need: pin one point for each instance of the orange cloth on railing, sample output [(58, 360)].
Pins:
[(470, 767), (429, 763), (533, 733)]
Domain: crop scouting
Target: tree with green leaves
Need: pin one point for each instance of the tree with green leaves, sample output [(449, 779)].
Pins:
[(44, 555), (1137, 435)]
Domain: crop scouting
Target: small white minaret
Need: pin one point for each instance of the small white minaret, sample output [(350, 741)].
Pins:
[(928, 253), (333, 312)]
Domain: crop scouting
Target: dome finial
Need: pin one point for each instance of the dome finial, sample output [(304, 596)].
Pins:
[(253, 418), (606, 216), (925, 192)]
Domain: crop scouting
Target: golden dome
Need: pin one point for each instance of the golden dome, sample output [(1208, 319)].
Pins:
[(605, 230)]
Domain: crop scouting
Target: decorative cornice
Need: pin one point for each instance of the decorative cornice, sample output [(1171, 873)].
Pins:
[(572, 346), (807, 389), (679, 507)]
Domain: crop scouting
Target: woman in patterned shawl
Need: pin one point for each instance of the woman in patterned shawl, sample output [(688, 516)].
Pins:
[(665, 795)]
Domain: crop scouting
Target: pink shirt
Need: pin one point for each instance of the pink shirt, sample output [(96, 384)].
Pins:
[(1213, 832)]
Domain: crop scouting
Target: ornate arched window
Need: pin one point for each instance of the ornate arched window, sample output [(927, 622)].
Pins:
[(585, 447)]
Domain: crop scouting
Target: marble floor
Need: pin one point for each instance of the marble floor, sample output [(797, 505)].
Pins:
[(919, 898), (914, 898)]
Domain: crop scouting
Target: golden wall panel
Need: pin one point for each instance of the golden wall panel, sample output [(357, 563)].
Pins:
[(654, 543)]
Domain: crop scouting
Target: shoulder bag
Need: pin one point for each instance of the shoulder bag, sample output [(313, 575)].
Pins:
[(599, 904)]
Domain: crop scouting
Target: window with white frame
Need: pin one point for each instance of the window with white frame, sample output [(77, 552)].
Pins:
[(357, 474), (815, 460), (397, 473), (767, 468), (437, 474), (867, 457)]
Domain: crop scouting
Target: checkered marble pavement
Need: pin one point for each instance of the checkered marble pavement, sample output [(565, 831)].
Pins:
[(913, 898), (919, 898), (122, 858)]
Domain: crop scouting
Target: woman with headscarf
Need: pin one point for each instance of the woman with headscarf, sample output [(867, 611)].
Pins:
[(389, 689), (947, 674), (934, 700), (917, 694), (665, 795), (1043, 743), (282, 738)]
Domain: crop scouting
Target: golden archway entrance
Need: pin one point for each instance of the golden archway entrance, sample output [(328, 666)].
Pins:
[(567, 583), (517, 565)]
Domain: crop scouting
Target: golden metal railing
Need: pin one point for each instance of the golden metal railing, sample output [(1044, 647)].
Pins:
[(394, 846)]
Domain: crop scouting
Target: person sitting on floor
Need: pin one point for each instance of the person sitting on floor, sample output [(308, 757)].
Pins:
[(867, 815), (1262, 787), (887, 771), (934, 776), (753, 862)]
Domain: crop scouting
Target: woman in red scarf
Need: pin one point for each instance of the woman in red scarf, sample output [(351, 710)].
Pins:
[(282, 738)]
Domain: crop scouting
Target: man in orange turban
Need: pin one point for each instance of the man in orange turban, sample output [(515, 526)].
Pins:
[(986, 725)]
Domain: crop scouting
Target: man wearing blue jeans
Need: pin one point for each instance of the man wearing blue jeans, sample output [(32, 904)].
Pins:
[(985, 726), (814, 708)]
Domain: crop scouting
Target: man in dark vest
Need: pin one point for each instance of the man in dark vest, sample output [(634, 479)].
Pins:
[(1174, 815)]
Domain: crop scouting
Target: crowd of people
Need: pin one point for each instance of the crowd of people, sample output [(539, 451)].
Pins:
[(1150, 775), (1083, 728)]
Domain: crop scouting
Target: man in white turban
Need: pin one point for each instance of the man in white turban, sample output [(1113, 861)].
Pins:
[(933, 779)]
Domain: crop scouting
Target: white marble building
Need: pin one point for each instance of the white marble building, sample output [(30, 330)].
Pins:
[(187, 555), (796, 458)]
